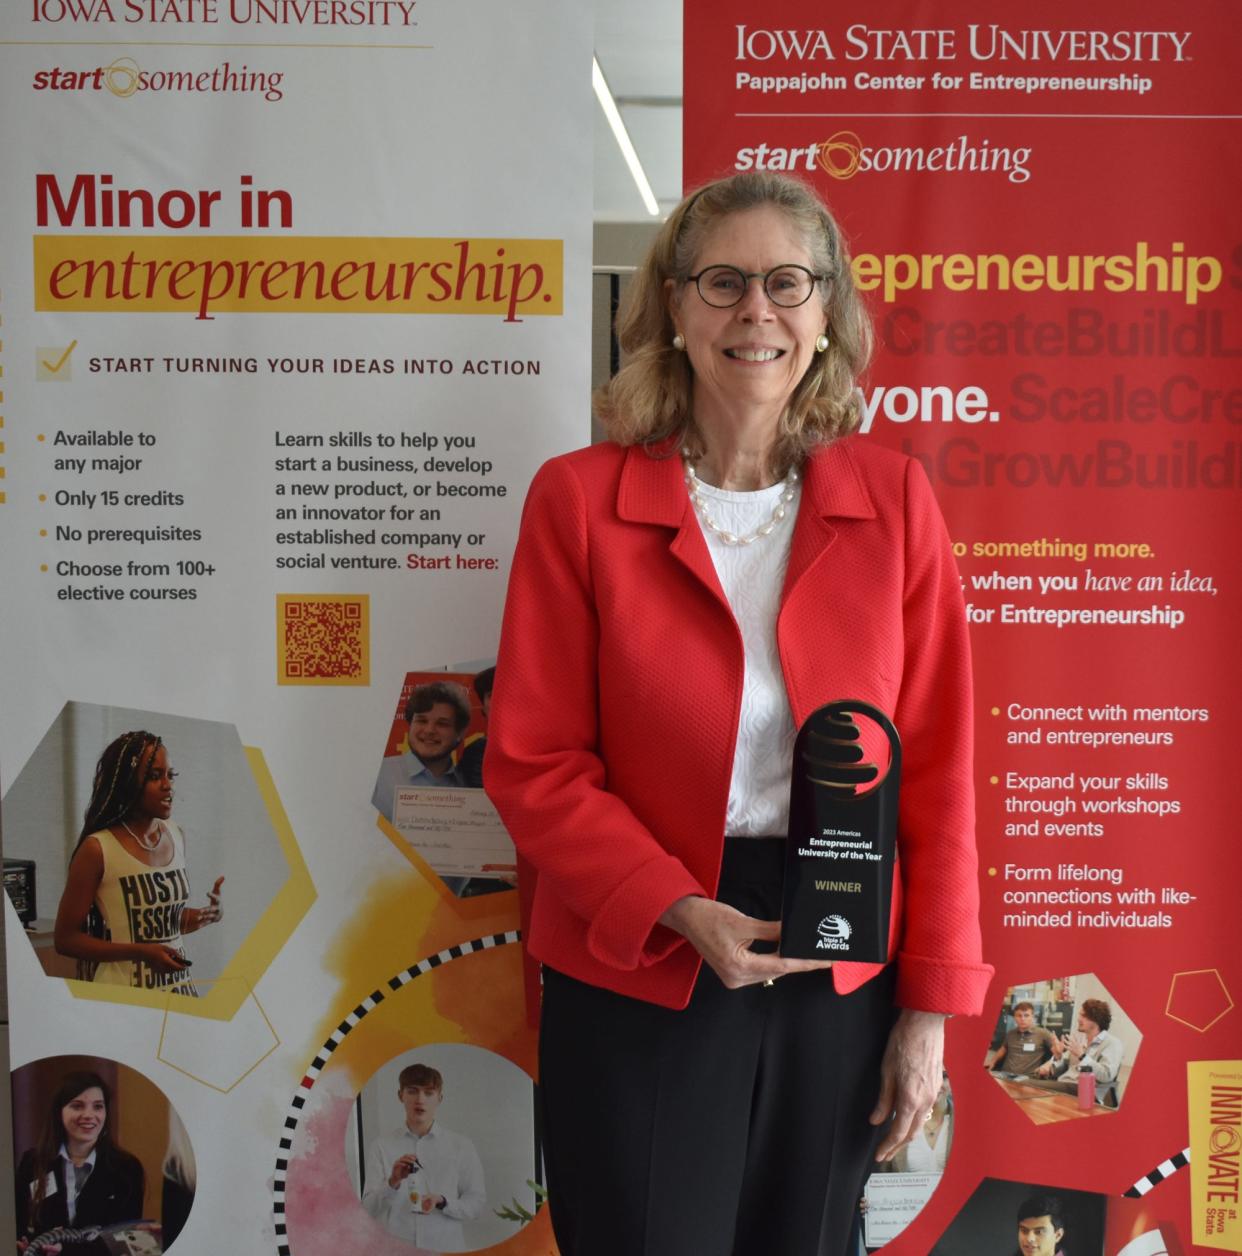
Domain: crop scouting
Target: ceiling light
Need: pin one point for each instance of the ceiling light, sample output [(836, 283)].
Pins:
[(609, 106)]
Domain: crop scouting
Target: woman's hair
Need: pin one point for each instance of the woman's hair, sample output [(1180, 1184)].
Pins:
[(120, 776), (179, 1164), (52, 1135), (650, 398)]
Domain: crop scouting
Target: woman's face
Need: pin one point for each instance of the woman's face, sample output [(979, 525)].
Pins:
[(83, 1117), (156, 797), (753, 353)]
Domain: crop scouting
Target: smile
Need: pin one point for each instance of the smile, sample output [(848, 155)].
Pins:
[(754, 355)]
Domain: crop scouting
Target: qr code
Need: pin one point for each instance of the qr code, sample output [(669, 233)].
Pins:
[(323, 639)]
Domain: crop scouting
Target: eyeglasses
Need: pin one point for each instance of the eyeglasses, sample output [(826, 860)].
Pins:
[(788, 286)]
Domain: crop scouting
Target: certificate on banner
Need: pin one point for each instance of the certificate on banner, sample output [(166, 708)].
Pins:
[(893, 1201), (457, 831), (429, 788)]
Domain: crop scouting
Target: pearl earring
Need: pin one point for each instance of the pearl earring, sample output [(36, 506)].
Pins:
[(821, 342), (679, 342)]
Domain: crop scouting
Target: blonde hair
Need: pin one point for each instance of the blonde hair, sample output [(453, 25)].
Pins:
[(179, 1163), (650, 399)]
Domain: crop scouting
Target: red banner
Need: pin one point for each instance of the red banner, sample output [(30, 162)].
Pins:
[(1041, 204)]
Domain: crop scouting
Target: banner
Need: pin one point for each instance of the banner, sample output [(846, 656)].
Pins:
[(293, 301), (1040, 207)]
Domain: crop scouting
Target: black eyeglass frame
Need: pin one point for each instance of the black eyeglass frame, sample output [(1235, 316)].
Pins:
[(747, 276)]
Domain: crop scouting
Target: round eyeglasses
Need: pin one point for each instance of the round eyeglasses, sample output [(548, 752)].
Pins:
[(788, 286)]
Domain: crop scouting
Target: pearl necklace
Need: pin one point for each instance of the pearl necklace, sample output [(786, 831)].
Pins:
[(694, 484), (142, 839)]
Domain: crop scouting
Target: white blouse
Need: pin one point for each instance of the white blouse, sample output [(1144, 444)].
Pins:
[(752, 577)]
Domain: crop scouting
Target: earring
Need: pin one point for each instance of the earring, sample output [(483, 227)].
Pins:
[(679, 343), (821, 342)]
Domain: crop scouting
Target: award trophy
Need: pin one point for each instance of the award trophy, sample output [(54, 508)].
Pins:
[(842, 844)]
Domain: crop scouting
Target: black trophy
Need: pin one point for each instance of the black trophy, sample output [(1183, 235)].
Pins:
[(842, 845)]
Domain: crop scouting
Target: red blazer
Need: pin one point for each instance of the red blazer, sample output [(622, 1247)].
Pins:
[(618, 688)]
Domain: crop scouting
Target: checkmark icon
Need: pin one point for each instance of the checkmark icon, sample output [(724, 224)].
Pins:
[(53, 364), (64, 357)]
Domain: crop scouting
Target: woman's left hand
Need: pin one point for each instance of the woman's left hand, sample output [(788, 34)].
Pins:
[(910, 1078), (195, 918)]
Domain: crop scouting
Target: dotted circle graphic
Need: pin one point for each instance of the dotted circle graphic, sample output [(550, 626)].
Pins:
[(338, 1035), (1165, 1169)]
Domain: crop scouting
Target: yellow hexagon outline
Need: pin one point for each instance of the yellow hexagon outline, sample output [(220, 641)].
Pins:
[(1224, 989), (257, 950), (223, 1090)]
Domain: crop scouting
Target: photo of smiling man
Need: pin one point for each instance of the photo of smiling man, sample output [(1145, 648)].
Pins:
[(428, 789), (424, 1180), (437, 714)]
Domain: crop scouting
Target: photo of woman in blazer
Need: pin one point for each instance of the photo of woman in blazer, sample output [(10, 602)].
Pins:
[(76, 1176)]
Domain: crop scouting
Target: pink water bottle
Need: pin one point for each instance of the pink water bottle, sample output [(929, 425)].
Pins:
[(1086, 1086)]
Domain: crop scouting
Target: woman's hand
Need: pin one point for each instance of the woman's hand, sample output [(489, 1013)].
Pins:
[(722, 935), (910, 1078), (195, 918), (161, 957)]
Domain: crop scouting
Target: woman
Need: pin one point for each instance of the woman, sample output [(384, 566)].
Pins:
[(76, 1176), (680, 601), (125, 903), (180, 1180)]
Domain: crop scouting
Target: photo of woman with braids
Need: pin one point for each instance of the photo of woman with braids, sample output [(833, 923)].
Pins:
[(125, 905)]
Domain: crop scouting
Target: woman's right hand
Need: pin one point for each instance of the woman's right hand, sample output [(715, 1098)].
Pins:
[(722, 935), (161, 957)]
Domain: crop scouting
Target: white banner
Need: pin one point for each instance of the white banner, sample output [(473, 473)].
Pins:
[(294, 301)]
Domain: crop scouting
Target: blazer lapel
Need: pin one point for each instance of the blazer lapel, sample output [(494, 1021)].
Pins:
[(652, 490), (831, 488)]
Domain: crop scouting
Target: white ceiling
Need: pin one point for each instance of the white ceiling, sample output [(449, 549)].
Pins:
[(638, 46)]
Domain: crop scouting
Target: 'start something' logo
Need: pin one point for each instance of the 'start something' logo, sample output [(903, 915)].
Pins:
[(844, 155)]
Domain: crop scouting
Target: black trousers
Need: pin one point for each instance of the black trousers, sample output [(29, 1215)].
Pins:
[(737, 1127)]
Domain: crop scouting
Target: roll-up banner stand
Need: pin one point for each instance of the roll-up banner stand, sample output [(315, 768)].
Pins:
[(293, 301), (1041, 202)]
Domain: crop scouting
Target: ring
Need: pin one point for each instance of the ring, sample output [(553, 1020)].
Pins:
[(771, 981), (931, 1112)]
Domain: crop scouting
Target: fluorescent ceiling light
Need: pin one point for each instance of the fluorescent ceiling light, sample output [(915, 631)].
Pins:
[(609, 106)]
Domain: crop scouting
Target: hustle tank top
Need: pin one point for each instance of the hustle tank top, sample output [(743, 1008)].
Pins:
[(140, 903)]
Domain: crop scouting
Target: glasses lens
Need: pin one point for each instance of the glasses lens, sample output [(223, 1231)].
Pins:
[(789, 285), (722, 286)]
